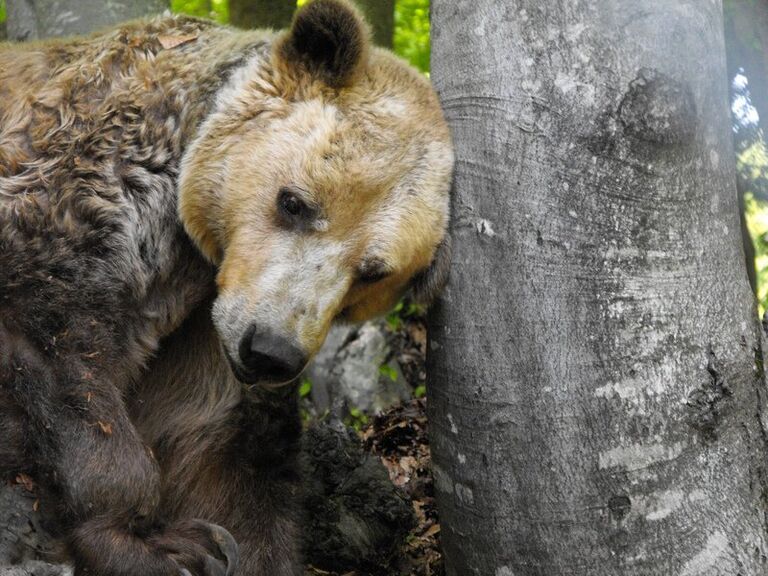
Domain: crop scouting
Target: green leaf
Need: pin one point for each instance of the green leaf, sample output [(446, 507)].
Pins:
[(305, 388), (393, 321), (413, 310), (388, 371), (356, 419)]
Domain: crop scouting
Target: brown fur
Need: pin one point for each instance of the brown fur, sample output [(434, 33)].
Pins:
[(115, 391), (228, 455)]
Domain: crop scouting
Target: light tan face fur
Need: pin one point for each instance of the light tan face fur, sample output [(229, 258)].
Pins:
[(372, 160)]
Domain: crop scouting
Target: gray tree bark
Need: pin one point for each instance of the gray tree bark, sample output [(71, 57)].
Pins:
[(381, 16), (34, 19), (261, 13), (596, 389)]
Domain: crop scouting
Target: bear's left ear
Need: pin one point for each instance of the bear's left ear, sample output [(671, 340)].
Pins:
[(329, 40), (427, 285)]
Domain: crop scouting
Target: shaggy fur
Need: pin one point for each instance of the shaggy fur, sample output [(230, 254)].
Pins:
[(142, 172)]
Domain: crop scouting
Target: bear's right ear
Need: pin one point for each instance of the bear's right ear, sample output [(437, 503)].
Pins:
[(329, 40)]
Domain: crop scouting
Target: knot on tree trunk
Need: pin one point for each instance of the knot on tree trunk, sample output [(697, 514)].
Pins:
[(658, 109), (707, 402)]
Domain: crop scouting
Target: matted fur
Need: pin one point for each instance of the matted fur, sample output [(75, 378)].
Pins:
[(139, 170)]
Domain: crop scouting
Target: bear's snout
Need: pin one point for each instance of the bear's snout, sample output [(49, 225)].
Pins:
[(268, 356)]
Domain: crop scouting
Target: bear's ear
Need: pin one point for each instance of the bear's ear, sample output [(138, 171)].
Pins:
[(427, 285), (329, 40)]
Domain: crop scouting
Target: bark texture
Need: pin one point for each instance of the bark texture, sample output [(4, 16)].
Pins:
[(34, 19), (261, 13), (597, 396), (380, 14)]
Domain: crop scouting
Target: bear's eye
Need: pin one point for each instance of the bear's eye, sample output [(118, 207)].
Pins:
[(292, 209), (371, 271), (291, 204)]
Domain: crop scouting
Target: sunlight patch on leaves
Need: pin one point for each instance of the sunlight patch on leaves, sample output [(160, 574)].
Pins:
[(411, 36), (215, 9), (757, 222)]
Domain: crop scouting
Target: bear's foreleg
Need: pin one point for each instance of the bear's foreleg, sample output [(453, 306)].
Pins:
[(249, 484), (92, 464), (228, 454)]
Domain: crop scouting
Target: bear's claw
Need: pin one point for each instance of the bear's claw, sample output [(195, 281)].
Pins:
[(227, 546), (203, 549)]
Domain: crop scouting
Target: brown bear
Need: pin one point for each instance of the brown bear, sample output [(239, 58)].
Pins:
[(185, 209)]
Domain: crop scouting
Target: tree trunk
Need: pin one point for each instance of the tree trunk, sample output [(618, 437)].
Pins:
[(381, 16), (34, 19), (597, 401), (746, 239), (261, 13)]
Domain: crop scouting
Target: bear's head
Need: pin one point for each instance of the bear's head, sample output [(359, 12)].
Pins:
[(319, 186)]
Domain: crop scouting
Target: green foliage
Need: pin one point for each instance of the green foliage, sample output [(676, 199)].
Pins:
[(388, 371), (752, 164), (757, 222), (221, 10), (414, 310), (305, 388), (216, 9), (2, 10), (356, 419), (393, 318), (411, 36), (400, 312)]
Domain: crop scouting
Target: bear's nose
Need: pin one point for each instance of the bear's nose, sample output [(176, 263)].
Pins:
[(268, 355)]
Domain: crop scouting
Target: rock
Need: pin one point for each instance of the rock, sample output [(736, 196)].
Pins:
[(23, 540), (36, 568), (319, 371), (354, 378)]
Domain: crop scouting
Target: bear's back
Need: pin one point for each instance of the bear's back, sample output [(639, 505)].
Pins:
[(92, 132)]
